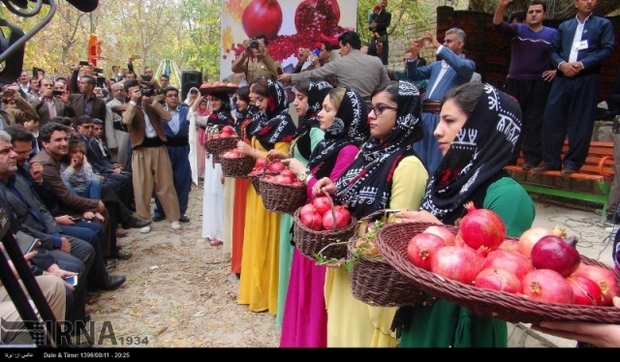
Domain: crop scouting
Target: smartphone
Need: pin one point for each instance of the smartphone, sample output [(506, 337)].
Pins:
[(83, 62), (98, 70), (316, 51), (57, 92), (72, 280), (25, 242), (146, 78)]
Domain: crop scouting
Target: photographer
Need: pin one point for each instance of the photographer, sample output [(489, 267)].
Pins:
[(53, 102), (255, 61)]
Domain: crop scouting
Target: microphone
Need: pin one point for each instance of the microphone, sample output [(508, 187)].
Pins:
[(86, 6)]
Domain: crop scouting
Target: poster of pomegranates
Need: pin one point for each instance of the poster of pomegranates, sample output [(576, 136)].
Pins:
[(288, 25)]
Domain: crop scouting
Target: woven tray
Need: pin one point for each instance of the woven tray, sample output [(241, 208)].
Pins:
[(484, 302), (217, 146), (283, 199), (328, 244), (373, 280), (237, 167)]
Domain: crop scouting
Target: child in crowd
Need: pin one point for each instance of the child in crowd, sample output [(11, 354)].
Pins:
[(32, 125), (77, 173), (372, 18)]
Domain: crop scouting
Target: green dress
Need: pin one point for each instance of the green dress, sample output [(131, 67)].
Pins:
[(286, 248), (447, 325)]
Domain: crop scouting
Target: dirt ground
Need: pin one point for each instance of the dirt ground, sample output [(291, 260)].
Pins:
[(179, 293)]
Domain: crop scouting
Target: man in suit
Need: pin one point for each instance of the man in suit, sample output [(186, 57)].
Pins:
[(50, 106), (150, 162), (117, 139), (452, 70), (86, 102), (579, 48)]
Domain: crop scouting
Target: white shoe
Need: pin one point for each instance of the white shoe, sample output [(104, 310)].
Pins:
[(146, 229), (175, 225)]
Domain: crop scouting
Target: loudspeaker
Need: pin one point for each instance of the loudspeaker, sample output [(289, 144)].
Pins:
[(189, 79)]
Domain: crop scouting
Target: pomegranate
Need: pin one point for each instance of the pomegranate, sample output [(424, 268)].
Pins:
[(322, 205), (510, 245), (316, 17), (586, 291), (262, 17), (441, 231), (556, 253), (288, 173), (511, 261), (498, 279), (546, 285), (533, 234), (482, 228), (422, 247), (605, 278), (276, 166), (311, 220), (335, 220), (260, 163), (283, 180), (457, 263)]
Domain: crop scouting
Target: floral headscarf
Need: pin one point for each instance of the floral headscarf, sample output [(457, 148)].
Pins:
[(276, 124), (480, 151), (367, 185), (350, 126)]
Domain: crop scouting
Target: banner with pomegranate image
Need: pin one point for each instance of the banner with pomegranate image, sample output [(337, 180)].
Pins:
[(288, 24)]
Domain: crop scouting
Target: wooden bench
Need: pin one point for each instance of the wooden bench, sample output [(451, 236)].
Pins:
[(590, 184)]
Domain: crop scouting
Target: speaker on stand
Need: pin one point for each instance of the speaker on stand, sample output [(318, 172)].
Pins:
[(189, 79)]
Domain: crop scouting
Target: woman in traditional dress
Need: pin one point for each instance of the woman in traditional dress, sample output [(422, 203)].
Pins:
[(309, 95), (213, 195), (272, 129), (344, 118), (385, 174), (477, 132)]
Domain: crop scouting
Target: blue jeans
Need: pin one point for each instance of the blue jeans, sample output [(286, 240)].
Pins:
[(92, 190)]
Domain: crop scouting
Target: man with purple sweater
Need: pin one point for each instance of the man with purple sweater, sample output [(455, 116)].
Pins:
[(530, 74)]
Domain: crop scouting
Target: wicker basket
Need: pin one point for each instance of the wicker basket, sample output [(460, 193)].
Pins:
[(374, 281), (237, 167), (283, 199), (217, 146), (328, 244), (484, 302), (255, 180)]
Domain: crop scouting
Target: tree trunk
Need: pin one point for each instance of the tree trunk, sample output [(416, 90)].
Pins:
[(556, 9)]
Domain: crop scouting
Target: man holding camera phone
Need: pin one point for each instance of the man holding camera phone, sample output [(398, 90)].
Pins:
[(53, 103), (255, 60)]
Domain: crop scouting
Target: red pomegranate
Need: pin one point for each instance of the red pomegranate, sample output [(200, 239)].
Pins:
[(316, 17), (422, 247), (441, 231), (498, 279), (605, 278), (586, 291), (457, 263), (556, 253), (482, 228), (262, 17), (549, 286), (511, 261)]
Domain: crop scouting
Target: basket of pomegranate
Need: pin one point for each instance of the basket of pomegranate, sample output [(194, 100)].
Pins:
[(373, 280), (257, 172), (321, 230), (236, 164), (282, 192), (537, 277), (220, 140)]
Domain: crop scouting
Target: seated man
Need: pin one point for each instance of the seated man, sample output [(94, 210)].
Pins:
[(116, 178)]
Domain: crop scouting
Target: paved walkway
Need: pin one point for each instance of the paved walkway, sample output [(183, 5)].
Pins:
[(595, 240)]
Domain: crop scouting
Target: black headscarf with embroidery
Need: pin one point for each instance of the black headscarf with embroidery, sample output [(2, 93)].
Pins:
[(275, 124), (478, 154), (350, 126), (223, 116), (367, 184), (316, 93)]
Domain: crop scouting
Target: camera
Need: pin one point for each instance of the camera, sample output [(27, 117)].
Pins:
[(147, 92), (254, 43)]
